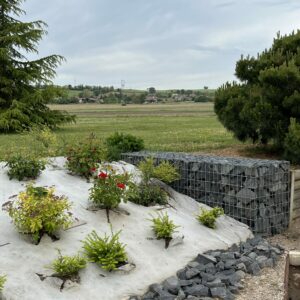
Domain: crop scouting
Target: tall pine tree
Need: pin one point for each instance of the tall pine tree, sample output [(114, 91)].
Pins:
[(22, 101)]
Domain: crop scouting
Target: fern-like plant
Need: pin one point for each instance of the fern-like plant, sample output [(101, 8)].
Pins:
[(208, 217), (108, 252), (67, 267), (163, 227), (2, 282)]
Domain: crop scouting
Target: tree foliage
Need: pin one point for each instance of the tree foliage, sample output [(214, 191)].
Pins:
[(22, 101), (259, 108)]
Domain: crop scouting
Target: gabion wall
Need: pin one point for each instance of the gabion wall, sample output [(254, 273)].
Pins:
[(253, 191)]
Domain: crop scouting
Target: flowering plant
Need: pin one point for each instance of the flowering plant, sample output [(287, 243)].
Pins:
[(83, 158), (109, 189)]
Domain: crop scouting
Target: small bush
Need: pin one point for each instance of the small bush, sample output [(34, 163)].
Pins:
[(67, 267), (148, 195), (84, 157), (163, 227), (108, 190), (2, 282), (25, 167), (292, 143), (163, 171), (208, 217), (119, 143), (108, 251), (39, 211)]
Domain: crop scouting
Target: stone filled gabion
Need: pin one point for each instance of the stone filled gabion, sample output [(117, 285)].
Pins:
[(216, 274), (253, 191)]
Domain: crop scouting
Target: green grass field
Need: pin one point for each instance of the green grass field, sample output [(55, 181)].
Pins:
[(188, 127)]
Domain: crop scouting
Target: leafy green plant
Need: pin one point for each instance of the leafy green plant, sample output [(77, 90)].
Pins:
[(84, 157), (208, 217), (147, 195), (163, 227), (2, 282), (67, 267), (164, 171), (108, 251), (24, 166), (292, 143), (38, 211), (108, 190), (120, 142)]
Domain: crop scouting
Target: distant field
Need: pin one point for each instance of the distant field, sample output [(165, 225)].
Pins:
[(188, 127)]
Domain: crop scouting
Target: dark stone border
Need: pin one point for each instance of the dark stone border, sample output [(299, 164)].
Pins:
[(216, 273)]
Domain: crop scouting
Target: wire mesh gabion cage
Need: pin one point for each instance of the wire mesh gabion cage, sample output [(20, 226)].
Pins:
[(253, 191)]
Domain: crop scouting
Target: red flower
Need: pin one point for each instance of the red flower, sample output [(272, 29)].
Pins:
[(102, 175), (121, 186), (93, 169)]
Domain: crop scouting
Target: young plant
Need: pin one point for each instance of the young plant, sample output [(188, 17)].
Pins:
[(147, 195), (164, 171), (84, 157), (67, 267), (2, 282), (38, 211), (208, 217), (119, 143), (25, 166), (108, 252), (163, 227), (108, 190)]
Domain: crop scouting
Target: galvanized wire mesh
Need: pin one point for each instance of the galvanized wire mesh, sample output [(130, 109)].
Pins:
[(255, 192)]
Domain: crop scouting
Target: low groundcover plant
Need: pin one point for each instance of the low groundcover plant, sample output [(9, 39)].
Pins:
[(25, 166), (163, 227), (38, 211), (67, 267), (2, 282), (208, 217), (106, 251)]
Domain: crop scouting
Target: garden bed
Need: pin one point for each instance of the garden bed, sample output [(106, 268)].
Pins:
[(20, 260)]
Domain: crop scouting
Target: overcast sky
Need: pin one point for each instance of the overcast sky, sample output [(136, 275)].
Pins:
[(161, 43)]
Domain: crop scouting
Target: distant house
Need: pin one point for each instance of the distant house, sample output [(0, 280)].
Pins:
[(151, 99)]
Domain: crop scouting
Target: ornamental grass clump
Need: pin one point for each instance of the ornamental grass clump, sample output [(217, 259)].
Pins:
[(38, 211), (84, 157), (108, 252), (67, 267), (22, 166), (208, 217), (163, 227), (2, 282), (109, 190), (148, 192)]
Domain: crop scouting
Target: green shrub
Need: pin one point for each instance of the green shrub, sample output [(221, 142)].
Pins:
[(292, 143), (24, 166), (84, 157), (108, 190), (163, 227), (148, 195), (119, 143), (38, 211), (67, 267), (164, 171), (208, 217), (2, 282), (108, 251)]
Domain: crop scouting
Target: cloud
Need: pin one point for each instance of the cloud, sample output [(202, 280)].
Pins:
[(168, 44)]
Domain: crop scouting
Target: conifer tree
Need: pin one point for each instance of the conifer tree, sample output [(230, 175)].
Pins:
[(267, 96), (22, 100)]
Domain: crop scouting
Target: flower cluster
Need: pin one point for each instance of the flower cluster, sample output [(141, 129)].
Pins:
[(109, 189)]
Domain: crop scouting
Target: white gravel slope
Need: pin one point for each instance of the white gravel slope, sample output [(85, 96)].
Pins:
[(21, 260)]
